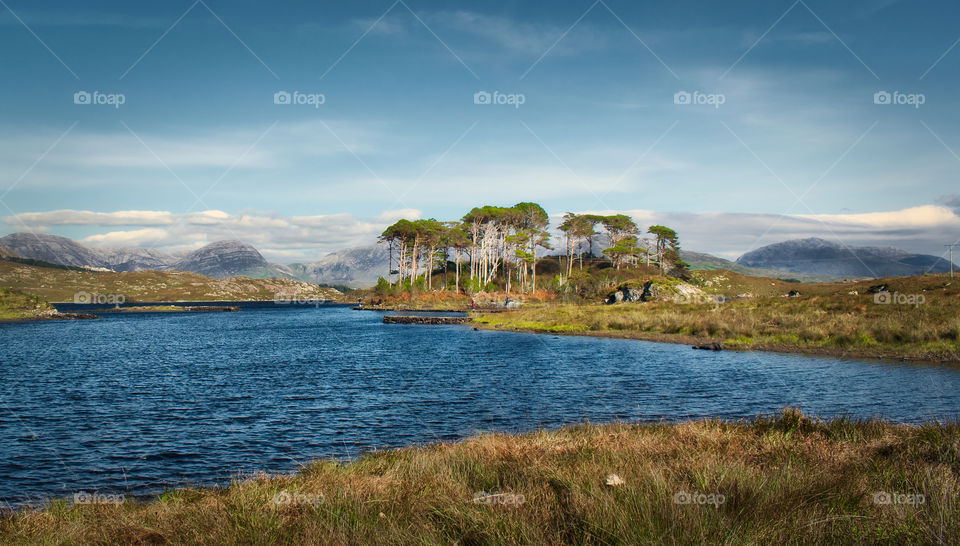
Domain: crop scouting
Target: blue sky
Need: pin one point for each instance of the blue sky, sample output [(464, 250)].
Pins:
[(199, 151)]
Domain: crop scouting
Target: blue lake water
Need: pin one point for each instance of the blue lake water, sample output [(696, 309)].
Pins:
[(135, 404)]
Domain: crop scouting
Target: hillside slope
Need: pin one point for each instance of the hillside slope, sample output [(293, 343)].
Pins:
[(62, 285)]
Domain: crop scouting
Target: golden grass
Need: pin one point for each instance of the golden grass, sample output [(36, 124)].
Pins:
[(780, 480), (827, 319)]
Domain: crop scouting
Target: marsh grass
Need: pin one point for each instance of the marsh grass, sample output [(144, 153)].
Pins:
[(831, 321), (783, 479)]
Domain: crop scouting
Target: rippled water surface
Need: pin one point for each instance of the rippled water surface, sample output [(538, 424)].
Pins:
[(134, 404)]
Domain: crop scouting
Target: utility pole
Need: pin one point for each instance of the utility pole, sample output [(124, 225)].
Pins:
[(951, 257)]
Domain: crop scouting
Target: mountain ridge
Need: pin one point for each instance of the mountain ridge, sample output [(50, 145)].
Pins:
[(805, 260), (219, 259), (818, 256)]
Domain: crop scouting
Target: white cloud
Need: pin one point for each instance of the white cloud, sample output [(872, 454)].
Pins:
[(283, 239), (84, 217), (922, 229), (492, 32), (135, 238), (279, 238), (927, 216)]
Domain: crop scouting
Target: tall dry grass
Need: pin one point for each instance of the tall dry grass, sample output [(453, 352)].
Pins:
[(852, 325), (778, 480)]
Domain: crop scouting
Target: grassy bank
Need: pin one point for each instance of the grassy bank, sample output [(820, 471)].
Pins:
[(836, 319), (780, 480), (18, 306)]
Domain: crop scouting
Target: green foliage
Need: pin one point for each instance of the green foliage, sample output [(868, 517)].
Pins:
[(501, 245), (382, 288)]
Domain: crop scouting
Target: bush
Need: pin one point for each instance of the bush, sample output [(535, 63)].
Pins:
[(383, 287)]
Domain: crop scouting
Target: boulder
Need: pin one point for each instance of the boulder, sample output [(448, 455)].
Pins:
[(624, 294), (669, 290)]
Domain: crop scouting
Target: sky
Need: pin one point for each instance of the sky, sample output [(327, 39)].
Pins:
[(305, 127)]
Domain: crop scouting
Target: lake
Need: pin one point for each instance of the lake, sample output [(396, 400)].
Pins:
[(135, 404)]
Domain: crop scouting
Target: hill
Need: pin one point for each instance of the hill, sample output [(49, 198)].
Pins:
[(52, 284), (224, 259), (706, 262), (220, 259), (821, 257)]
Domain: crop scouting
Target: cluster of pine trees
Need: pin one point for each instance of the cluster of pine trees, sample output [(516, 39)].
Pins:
[(503, 243)]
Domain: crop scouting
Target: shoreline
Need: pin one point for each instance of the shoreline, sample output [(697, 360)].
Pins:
[(685, 339), (773, 479), (55, 316)]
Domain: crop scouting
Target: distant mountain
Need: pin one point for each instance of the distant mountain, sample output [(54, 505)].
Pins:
[(355, 267), (53, 249), (219, 260), (709, 262), (821, 257), (136, 259), (225, 259)]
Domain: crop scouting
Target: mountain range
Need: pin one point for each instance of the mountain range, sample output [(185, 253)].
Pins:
[(218, 260), (809, 260), (355, 267), (821, 257)]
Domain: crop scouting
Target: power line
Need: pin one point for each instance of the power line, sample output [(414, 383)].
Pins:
[(951, 257)]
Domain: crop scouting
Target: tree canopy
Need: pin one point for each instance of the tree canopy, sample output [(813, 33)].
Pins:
[(504, 244)]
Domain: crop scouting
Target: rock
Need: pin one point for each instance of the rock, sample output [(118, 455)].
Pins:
[(613, 480), (624, 294), (878, 288), (793, 294), (709, 347), (672, 290), (406, 319)]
